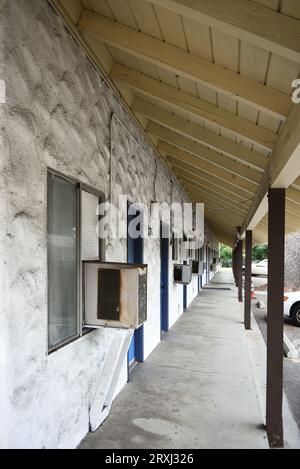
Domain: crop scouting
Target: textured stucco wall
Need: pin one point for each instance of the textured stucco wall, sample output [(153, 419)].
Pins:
[(292, 262), (58, 115)]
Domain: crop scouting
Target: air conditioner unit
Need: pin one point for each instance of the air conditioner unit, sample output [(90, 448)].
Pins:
[(182, 273), (197, 267), (114, 295)]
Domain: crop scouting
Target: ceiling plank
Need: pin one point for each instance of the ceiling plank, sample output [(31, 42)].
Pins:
[(224, 236), (185, 64), (203, 152), (194, 181), (203, 196), (283, 166), (199, 134), (246, 20), (194, 106), (293, 195), (232, 189), (204, 187), (224, 222), (195, 162)]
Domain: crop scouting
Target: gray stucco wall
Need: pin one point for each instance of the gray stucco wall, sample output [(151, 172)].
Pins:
[(292, 262), (58, 115)]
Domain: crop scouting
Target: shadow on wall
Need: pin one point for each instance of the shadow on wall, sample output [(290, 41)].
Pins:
[(292, 262)]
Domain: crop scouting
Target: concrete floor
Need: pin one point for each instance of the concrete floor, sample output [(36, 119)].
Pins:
[(196, 390)]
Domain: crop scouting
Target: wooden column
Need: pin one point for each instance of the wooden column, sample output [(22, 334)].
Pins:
[(239, 270), (235, 265), (276, 227), (247, 311)]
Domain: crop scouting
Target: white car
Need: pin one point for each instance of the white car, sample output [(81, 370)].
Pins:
[(292, 306), (260, 268)]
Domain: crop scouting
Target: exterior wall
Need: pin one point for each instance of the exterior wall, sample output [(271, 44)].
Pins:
[(59, 115), (292, 262)]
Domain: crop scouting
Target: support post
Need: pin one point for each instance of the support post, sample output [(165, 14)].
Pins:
[(239, 270), (235, 266), (233, 263), (276, 227), (248, 262)]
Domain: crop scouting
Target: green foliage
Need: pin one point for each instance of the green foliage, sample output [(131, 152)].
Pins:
[(225, 255), (260, 252)]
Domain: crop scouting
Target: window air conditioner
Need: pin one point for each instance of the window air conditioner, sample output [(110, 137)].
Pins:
[(197, 267), (114, 295), (182, 273)]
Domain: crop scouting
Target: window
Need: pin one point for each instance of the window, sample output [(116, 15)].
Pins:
[(72, 238)]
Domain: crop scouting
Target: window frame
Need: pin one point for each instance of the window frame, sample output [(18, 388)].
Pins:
[(80, 187)]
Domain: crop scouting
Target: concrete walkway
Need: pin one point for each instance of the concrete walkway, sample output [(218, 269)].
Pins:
[(196, 390)]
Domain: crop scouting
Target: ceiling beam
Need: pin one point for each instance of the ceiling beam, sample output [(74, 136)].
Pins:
[(224, 162), (196, 162), (226, 220), (223, 222), (283, 165), (292, 208), (224, 236), (293, 195), (196, 188), (197, 133), (188, 65), (218, 204), (193, 181), (194, 106), (213, 181), (246, 20)]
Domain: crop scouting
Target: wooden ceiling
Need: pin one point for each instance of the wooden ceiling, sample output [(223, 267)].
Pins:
[(210, 83)]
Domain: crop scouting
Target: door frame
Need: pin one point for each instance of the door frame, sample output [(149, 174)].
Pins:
[(164, 279), (138, 335)]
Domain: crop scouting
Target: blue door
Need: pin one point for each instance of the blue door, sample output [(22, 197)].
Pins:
[(164, 281), (135, 255), (184, 297)]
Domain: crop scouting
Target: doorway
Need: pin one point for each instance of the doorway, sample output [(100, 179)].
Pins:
[(164, 278), (135, 255), (184, 298)]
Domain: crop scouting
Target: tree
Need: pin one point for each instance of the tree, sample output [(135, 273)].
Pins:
[(226, 255), (260, 252)]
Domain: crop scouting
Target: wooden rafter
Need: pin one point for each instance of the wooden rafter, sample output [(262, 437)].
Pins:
[(203, 152), (246, 20), (195, 176), (199, 134), (194, 106), (186, 64), (283, 166), (194, 161)]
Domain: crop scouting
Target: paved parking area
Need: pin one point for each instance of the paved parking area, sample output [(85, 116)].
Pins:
[(291, 368)]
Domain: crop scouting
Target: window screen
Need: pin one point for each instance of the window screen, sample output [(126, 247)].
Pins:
[(90, 245), (62, 260)]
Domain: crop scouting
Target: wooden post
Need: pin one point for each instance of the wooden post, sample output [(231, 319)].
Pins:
[(276, 227), (247, 311), (239, 270)]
